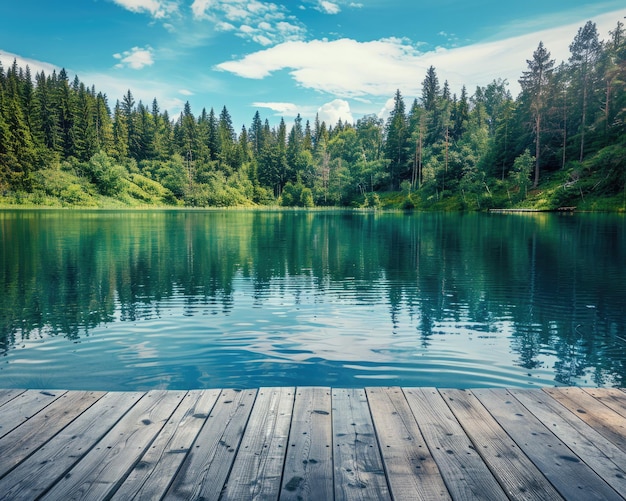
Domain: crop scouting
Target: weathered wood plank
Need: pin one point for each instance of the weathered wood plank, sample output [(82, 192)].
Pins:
[(153, 474), (606, 460), (358, 468), (597, 415), (257, 469), (517, 474), (611, 397), (463, 470), (308, 472), (206, 467), (18, 444), (101, 470), (42, 469), (8, 395), (569, 475), (23, 407), (411, 470)]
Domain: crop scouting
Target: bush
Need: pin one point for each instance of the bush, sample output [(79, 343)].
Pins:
[(296, 195)]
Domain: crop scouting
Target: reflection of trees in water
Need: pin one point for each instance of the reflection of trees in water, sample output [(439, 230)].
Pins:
[(64, 273)]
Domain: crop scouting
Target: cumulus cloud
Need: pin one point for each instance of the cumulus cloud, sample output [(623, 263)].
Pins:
[(333, 111), (135, 58), (348, 68), (328, 7), (159, 9), (265, 23), (285, 109), (344, 67)]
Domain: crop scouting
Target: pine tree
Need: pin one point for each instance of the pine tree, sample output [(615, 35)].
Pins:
[(45, 114), (534, 83), (396, 145), (585, 50), (256, 134)]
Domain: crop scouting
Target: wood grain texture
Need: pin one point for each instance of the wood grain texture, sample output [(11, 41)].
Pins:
[(205, 469), (314, 443), (36, 431), (463, 470), (308, 471), (517, 474), (8, 395), (152, 475), (611, 397), (51, 462), (24, 406), (258, 467), (601, 418), (358, 467), (601, 455), (100, 472), (410, 467), (566, 471)]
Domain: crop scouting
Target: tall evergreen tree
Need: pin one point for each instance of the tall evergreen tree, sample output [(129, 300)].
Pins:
[(534, 83), (396, 140), (585, 52)]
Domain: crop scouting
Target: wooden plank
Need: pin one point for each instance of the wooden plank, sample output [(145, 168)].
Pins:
[(8, 395), (152, 476), (517, 474), (593, 412), (23, 407), (206, 467), (611, 397), (258, 467), (42, 469), (569, 475), (599, 453), (411, 470), (463, 470), (101, 470), (358, 468), (308, 472), (32, 434)]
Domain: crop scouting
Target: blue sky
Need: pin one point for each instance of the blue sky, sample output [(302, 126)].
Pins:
[(339, 58)]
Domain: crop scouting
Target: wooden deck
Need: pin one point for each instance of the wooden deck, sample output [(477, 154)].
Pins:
[(314, 443)]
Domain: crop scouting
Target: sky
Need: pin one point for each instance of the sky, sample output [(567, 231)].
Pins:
[(334, 58)]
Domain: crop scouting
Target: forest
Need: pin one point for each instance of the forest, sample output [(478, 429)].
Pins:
[(560, 144)]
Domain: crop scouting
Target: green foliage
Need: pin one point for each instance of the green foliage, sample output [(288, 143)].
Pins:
[(296, 195), (470, 152), (520, 174), (105, 174)]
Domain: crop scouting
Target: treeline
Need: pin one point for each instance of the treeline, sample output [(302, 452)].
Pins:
[(60, 140)]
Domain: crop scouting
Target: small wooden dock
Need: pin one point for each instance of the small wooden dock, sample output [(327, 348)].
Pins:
[(314, 443)]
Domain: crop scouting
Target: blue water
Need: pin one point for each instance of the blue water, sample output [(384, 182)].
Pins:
[(210, 299)]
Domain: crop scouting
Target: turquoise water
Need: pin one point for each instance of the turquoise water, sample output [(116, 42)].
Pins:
[(126, 300)]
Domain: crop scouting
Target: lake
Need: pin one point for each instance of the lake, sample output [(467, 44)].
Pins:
[(182, 299)]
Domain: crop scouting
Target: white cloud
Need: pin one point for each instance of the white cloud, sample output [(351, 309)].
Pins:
[(265, 23), (135, 58), (286, 109), (7, 58), (348, 68), (159, 9), (335, 110), (386, 109), (328, 7), (185, 92)]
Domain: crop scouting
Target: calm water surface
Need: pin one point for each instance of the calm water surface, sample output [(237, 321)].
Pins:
[(126, 300)]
